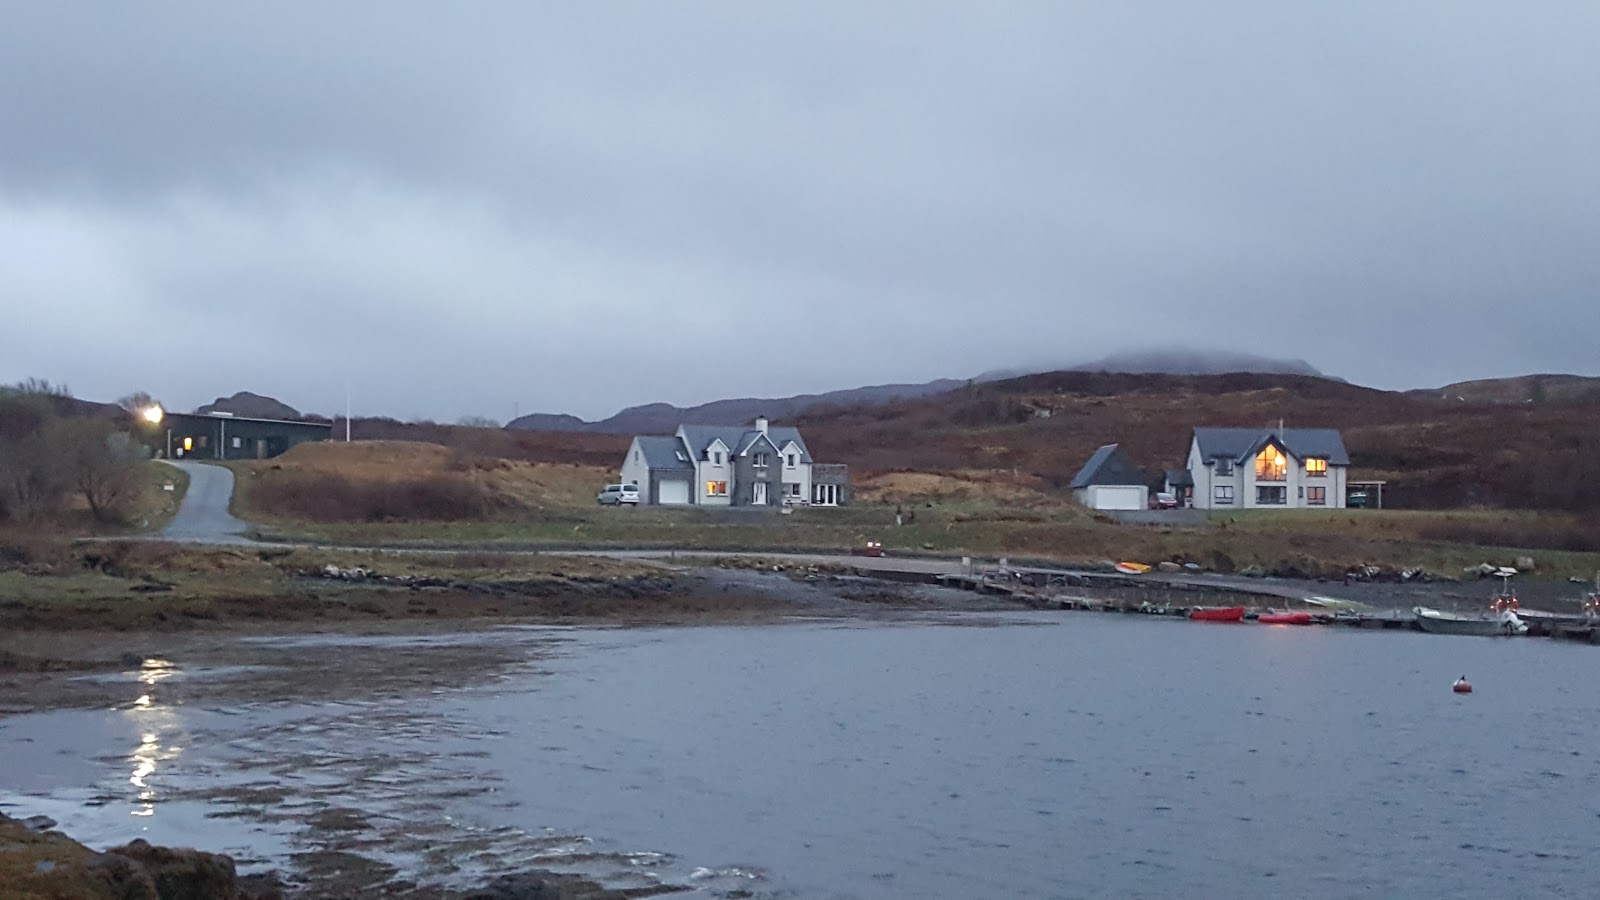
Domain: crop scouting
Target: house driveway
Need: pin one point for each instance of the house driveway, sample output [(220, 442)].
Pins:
[(203, 516), (1177, 518)]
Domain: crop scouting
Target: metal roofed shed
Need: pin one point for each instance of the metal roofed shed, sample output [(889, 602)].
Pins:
[(223, 436), (1110, 480)]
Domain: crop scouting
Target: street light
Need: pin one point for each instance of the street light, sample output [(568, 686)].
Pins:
[(153, 414)]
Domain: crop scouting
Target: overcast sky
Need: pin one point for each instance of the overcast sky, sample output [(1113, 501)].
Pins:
[(476, 208)]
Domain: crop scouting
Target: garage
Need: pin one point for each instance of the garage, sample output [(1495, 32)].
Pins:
[(673, 492), (1110, 480), (1108, 496)]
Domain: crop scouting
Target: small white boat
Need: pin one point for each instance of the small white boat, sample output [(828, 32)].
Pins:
[(1505, 622)]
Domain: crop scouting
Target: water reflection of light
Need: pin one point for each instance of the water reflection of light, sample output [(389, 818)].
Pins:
[(155, 670), (158, 727)]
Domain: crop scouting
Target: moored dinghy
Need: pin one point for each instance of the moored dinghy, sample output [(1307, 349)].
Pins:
[(1284, 618), (1218, 614)]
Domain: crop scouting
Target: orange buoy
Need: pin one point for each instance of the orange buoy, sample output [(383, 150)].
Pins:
[(1461, 686)]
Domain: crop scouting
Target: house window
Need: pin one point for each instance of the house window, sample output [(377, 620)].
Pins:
[(1225, 467), (1317, 468), (791, 460), (681, 457), (237, 443), (1316, 496), (1272, 465), (825, 494), (716, 489), (1223, 495), (762, 460), (1272, 496), (793, 488), (717, 457)]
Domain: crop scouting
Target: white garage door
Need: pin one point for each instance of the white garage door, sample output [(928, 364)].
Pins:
[(674, 493), (1118, 497)]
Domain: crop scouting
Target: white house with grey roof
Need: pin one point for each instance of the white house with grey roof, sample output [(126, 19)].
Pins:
[(712, 465), (1255, 468)]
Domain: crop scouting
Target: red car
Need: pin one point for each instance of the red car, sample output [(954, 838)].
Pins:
[(1163, 501)]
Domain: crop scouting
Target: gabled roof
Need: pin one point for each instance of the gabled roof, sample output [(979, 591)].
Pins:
[(1109, 465), (1240, 444), (751, 438), (738, 438), (663, 452)]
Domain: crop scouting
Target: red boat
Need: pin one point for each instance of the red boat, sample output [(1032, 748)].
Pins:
[(1285, 618), (1218, 614)]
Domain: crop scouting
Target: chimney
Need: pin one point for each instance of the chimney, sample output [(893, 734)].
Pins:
[(761, 424)]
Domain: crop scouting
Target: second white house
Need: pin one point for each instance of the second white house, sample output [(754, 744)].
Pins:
[(1253, 468)]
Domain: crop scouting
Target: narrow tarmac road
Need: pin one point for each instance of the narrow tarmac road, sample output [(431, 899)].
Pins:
[(203, 516)]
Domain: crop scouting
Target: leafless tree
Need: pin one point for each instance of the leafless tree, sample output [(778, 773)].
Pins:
[(102, 463), (137, 401)]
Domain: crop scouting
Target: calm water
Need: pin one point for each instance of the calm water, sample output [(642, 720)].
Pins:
[(1051, 755)]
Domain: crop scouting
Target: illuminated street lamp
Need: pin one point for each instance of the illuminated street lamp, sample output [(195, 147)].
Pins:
[(153, 414)]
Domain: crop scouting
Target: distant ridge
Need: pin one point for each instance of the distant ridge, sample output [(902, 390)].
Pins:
[(1193, 362), (1536, 389), (664, 417)]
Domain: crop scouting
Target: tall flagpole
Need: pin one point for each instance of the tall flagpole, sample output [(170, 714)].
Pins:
[(347, 410)]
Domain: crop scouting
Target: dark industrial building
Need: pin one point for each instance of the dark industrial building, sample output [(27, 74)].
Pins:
[(223, 436)]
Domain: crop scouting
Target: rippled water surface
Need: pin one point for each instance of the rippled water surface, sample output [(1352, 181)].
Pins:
[(1049, 755)]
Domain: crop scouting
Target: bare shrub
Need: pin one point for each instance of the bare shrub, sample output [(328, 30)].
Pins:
[(328, 497)]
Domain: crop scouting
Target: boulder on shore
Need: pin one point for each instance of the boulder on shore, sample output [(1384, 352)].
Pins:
[(39, 864)]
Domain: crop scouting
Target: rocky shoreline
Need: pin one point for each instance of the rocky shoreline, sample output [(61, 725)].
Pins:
[(37, 862)]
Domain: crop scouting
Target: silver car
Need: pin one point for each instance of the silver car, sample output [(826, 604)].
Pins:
[(619, 495)]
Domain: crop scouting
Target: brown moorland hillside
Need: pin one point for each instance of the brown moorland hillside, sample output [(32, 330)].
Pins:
[(1434, 454), (1035, 432)]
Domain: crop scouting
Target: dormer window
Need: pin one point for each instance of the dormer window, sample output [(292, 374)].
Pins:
[(1224, 467), (791, 460), (1317, 468), (1272, 465), (682, 457), (762, 460), (716, 457)]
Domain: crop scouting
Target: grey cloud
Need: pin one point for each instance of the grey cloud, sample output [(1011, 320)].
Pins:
[(458, 206)]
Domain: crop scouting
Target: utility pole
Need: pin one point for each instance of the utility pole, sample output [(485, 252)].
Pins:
[(347, 410)]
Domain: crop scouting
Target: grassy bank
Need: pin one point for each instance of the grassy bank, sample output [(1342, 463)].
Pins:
[(51, 585), (414, 495)]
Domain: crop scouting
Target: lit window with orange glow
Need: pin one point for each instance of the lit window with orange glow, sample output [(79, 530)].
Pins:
[(1316, 467), (1272, 465)]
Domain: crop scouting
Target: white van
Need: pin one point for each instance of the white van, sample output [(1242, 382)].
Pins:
[(618, 495)]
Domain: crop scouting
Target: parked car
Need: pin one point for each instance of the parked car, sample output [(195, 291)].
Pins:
[(1164, 500), (619, 495)]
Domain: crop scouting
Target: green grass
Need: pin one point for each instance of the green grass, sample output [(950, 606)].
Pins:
[(1316, 541)]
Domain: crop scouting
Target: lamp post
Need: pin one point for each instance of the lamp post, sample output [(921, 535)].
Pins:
[(153, 414)]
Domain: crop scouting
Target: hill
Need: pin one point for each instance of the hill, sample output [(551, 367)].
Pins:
[(1534, 389), (663, 417), (252, 406), (660, 418), (1432, 454)]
